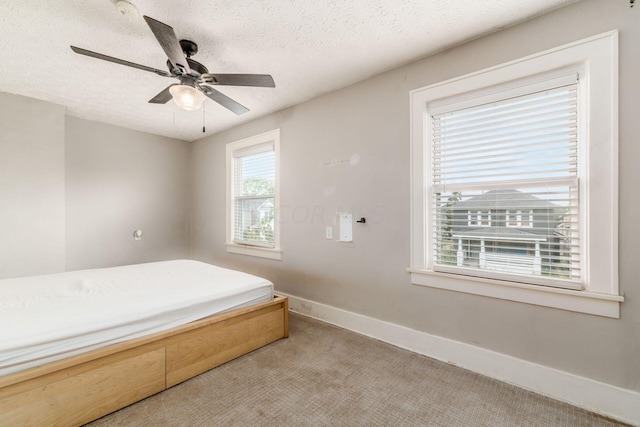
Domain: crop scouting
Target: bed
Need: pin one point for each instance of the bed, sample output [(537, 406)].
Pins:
[(78, 345)]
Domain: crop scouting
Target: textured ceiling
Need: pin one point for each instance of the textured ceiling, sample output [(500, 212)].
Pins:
[(310, 47)]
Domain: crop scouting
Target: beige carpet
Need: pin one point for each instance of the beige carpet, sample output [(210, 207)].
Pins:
[(326, 376)]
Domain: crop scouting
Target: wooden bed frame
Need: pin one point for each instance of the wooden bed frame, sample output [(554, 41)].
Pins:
[(82, 388)]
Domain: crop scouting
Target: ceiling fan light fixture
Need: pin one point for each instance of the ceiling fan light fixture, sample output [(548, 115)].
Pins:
[(187, 97)]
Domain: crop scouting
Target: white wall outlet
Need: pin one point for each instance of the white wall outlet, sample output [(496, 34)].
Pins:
[(329, 232)]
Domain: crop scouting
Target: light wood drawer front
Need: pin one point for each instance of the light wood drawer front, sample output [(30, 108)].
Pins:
[(90, 394), (204, 349)]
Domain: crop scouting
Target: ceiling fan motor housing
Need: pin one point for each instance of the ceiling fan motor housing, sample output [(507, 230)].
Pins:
[(197, 69), (189, 48)]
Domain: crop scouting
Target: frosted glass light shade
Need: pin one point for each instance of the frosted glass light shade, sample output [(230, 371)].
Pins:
[(187, 97)]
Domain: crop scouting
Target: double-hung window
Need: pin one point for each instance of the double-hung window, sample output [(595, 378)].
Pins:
[(508, 151), (252, 196), (514, 180)]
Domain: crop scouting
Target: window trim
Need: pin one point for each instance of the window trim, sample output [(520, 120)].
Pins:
[(596, 58), (245, 145)]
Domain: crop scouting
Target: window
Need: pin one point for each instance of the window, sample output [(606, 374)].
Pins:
[(504, 161), (252, 196), (513, 149), (483, 219), (519, 220)]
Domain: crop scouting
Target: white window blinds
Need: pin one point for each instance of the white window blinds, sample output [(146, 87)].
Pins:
[(254, 196), (505, 185)]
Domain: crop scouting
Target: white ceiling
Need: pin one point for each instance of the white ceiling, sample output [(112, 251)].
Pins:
[(310, 47)]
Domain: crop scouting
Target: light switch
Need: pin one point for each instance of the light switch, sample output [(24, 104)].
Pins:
[(329, 232), (346, 227)]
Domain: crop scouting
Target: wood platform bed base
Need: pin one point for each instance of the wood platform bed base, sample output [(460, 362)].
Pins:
[(82, 388)]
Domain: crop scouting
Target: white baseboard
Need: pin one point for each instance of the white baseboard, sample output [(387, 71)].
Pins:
[(601, 398)]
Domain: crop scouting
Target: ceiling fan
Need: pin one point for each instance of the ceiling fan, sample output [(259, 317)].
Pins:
[(195, 79)]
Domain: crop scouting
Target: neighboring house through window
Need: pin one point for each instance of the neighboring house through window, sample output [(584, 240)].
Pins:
[(503, 163), (509, 243), (252, 196)]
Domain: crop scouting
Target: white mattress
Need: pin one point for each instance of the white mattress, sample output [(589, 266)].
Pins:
[(47, 318)]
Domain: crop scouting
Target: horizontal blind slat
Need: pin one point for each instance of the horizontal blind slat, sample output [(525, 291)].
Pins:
[(513, 103), (525, 146), (539, 116)]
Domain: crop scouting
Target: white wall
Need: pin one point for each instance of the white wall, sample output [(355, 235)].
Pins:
[(32, 208), (371, 121)]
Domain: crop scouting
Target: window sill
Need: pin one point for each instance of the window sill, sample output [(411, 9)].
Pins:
[(565, 299), (268, 253)]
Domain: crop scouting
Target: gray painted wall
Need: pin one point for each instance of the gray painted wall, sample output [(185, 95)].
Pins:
[(119, 180), (73, 191), (370, 120), (32, 209)]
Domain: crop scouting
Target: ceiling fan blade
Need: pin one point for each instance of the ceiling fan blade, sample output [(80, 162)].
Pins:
[(169, 42), (224, 100), (118, 61), (163, 97), (259, 80)]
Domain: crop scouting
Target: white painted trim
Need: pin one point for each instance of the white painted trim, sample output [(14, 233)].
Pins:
[(566, 299), (254, 251), (595, 396), (595, 60)]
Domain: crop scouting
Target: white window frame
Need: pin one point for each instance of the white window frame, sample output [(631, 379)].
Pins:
[(595, 59), (270, 137)]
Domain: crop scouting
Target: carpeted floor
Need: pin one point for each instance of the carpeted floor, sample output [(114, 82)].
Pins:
[(326, 376)]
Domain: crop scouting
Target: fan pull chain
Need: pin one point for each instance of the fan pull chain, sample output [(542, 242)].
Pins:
[(203, 107)]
